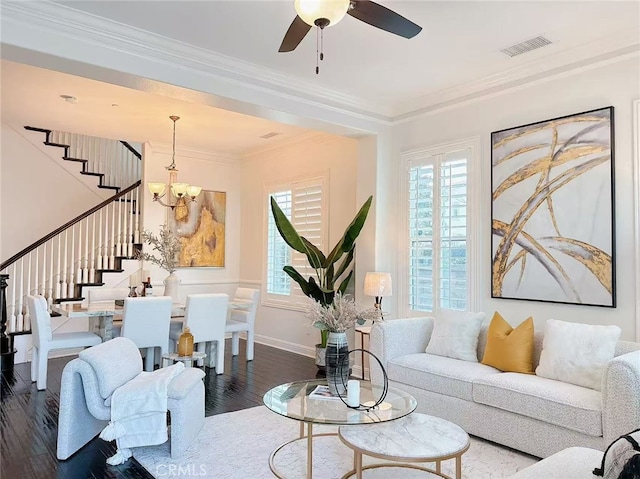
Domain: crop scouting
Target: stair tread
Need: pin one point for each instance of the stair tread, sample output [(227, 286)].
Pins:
[(91, 173), (33, 128), (64, 300), (89, 284), (125, 257), (79, 160), (117, 188), (110, 270), (61, 145)]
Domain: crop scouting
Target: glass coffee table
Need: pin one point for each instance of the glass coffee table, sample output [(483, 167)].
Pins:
[(292, 400)]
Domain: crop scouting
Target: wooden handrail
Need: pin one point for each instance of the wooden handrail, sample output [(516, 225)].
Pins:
[(59, 230), (131, 149)]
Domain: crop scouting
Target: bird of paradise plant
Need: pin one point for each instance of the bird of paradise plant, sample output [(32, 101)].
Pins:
[(333, 271)]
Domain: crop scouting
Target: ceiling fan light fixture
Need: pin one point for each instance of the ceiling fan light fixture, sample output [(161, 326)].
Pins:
[(312, 10)]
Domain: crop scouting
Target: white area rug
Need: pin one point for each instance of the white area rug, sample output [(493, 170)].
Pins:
[(237, 445)]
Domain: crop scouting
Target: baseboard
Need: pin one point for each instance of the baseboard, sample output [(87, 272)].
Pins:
[(286, 346)]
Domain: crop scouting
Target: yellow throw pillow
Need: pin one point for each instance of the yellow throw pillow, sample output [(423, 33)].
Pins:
[(509, 349)]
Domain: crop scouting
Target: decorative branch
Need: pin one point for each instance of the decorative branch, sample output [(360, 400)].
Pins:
[(167, 245)]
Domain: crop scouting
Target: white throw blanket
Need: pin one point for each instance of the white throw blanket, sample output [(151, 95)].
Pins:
[(139, 412)]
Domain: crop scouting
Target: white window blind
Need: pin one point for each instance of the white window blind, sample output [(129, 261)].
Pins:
[(303, 203), (438, 232)]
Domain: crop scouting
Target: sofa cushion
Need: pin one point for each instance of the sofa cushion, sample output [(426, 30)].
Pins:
[(455, 335), (509, 349), (451, 377), (566, 405)]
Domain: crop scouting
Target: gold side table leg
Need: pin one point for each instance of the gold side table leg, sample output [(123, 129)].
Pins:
[(438, 465), (459, 467), (358, 460), (309, 450)]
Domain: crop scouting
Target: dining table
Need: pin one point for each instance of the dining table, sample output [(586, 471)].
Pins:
[(103, 314)]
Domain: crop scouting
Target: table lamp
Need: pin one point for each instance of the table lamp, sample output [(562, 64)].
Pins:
[(377, 285)]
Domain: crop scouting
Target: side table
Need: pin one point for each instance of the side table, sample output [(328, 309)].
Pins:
[(171, 358), (363, 331)]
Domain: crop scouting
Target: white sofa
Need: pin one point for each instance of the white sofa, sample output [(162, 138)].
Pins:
[(529, 413)]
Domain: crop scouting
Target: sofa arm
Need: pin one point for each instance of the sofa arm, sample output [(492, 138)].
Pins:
[(183, 383), (621, 396), (398, 337)]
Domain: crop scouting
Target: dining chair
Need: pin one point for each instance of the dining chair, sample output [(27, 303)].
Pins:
[(205, 315), (243, 320), (103, 295), (146, 321), (44, 340)]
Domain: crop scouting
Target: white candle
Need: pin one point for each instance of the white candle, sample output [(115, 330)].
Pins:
[(133, 280), (145, 275), (353, 393)]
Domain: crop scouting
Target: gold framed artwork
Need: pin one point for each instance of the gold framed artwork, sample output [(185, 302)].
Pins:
[(200, 226), (552, 210)]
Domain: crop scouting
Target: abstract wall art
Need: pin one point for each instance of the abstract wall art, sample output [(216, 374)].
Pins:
[(552, 210), (200, 226)]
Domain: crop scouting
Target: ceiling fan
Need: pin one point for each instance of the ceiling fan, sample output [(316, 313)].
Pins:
[(326, 13)]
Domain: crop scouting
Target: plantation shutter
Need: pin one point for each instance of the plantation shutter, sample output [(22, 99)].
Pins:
[(438, 272), (278, 252)]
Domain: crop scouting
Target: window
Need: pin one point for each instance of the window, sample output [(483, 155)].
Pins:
[(439, 226), (303, 203)]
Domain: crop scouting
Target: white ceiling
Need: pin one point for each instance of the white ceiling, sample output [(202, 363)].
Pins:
[(459, 46), (460, 41), (31, 96)]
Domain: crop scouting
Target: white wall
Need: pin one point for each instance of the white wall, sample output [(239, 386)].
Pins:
[(616, 84), (212, 171), (320, 153), (37, 193)]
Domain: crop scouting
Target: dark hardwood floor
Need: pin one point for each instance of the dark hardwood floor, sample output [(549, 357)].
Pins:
[(29, 418)]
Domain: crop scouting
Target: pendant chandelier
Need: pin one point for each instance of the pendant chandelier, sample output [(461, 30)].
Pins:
[(181, 193)]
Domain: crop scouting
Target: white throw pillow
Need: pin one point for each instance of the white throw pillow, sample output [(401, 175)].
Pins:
[(455, 335), (577, 353)]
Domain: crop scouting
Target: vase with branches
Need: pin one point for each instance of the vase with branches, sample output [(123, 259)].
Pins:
[(167, 245)]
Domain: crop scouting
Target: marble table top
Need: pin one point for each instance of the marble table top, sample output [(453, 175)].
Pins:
[(416, 437)]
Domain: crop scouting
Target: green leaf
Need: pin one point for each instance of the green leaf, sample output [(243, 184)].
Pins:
[(347, 261), (298, 278), (350, 235), (322, 296), (329, 277), (345, 283), (314, 255), (286, 229)]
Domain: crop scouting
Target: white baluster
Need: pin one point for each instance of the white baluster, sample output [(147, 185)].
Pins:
[(51, 276), (35, 272), (85, 260), (72, 266), (63, 283), (99, 242), (130, 219), (20, 316), (92, 271), (112, 258), (136, 231), (119, 231), (29, 290), (43, 289), (12, 312), (79, 255), (58, 269)]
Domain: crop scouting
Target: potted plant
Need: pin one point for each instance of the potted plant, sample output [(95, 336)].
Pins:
[(168, 247), (336, 318), (333, 271)]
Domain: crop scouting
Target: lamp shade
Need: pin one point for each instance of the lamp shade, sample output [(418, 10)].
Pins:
[(193, 191), (156, 188), (179, 189), (377, 284), (311, 10)]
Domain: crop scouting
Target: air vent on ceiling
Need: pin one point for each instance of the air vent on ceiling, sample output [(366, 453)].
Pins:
[(526, 46), (270, 135)]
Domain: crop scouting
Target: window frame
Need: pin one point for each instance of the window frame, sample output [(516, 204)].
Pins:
[(415, 157), (293, 301)]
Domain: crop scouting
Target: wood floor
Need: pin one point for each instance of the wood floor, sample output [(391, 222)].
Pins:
[(29, 418)]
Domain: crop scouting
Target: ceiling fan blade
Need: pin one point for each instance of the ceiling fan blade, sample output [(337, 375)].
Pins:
[(297, 31), (383, 18)]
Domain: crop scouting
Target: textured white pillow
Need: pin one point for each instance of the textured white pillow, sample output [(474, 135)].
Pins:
[(577, 353), (455, 335)]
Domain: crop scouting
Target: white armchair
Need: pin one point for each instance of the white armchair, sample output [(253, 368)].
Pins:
[(243, 320), (44, 340), (89, 381)]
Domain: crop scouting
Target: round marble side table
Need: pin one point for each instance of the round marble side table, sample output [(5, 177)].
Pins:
[(414, 438), (171, 358)]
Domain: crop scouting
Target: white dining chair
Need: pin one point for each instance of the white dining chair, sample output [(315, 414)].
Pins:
[(44, 340), (145, 321), (205, 315), (108, 295), (243, 320)]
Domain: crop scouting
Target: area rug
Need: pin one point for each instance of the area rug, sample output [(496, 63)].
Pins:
[(237, 445)]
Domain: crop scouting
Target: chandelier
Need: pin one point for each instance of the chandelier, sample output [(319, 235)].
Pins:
[(181, 193)]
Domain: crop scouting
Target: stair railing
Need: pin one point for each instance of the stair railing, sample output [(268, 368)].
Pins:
[(115, 161), (73, 255)]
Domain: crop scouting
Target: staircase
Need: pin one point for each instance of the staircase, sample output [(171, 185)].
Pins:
[(79, 254)]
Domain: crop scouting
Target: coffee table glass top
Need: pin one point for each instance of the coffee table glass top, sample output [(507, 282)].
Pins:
[(292, 400)]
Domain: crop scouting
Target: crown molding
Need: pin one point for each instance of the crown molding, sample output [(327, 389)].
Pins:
[(306, 138), (195, 153), (84, 28), (621, 46)]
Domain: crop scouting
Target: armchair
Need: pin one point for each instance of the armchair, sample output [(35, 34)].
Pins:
[(89, 381)]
